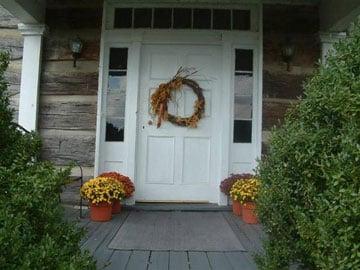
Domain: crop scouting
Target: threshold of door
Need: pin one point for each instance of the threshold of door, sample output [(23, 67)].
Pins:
[(177, 206)]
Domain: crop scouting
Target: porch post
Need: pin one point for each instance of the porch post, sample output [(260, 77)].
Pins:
[(328, 40), (30, 74)]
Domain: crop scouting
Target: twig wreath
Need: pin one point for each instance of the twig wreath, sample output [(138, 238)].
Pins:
[(162, 95)]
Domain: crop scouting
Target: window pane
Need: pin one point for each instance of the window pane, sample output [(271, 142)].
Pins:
[(116, 80), (123, 18), (242, 131), (116, 95), (243, 107), (241, 19), (162, 17), (182, 18), (243, 84), (202, 19), (243, 95), (142, 17), (114, 130), (244, 60), (115, 100), (221, 19), (118, 58)]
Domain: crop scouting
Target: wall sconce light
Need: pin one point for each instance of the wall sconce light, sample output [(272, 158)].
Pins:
[(288, 53), (76, 46)]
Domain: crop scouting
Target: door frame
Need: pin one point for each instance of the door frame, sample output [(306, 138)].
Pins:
[(133, 40)]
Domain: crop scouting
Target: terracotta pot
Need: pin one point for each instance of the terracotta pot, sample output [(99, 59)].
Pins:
[(100, 211), (248, 213), (116, 207), (236, 206)]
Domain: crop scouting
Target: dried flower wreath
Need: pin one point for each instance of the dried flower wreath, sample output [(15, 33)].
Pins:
[(162, 95)]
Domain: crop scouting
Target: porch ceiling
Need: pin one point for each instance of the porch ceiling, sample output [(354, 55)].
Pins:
[(27, 11), (336, 16)]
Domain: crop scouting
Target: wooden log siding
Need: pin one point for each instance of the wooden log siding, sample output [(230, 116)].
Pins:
[(274, 111), (68, 113), (280, 87), (60, 146), (68, 101), (72, 83), (12, 41), (283, 86)]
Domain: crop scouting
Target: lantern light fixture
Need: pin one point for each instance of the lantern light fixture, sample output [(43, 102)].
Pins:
[(288, 53), (76, 46)]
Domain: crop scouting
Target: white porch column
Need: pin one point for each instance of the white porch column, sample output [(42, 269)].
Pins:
[(30, 74), (327, 42)]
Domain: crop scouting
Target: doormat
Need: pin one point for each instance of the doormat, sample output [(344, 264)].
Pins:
[(176, 231)]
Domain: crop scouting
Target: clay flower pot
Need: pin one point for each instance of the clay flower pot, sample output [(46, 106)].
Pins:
[(248, 213), (116, 207), (100, 211), (236, 206)]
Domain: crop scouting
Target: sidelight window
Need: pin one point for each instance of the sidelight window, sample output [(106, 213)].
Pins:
[(243, 96), (116, 94)]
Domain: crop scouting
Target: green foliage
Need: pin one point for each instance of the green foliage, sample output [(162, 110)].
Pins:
[(33, 233), (310, 201), (13, 144)]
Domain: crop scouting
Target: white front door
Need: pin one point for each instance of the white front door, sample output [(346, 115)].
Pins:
[(178, 163)]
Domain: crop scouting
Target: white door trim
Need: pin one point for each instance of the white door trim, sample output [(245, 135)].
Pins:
[(134, 38)]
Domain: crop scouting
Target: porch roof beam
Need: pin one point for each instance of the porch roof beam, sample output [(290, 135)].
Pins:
[(26, 11)]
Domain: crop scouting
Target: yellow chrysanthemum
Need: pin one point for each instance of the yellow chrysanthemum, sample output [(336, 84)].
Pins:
[(102, 189), (245, 190)]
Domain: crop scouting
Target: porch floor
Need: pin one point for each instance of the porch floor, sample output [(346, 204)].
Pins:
[(99, 235)]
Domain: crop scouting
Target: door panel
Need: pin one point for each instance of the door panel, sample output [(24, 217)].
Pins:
[(178, 163), (160, 170)]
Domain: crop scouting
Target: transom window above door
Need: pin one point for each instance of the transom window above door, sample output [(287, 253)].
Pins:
[(183, 18)]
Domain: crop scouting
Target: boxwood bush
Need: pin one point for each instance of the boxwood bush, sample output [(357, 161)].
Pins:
[(310, 201), (33, 233)]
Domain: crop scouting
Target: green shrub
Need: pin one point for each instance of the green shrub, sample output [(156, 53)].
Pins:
[(33, 233), (310, 201)]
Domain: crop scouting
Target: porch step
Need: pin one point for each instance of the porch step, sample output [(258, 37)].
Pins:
[(204, 207)]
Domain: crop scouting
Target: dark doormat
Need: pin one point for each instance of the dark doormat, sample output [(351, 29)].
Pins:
[(178, 231)]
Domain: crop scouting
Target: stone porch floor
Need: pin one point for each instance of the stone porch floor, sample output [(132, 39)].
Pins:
[(99, 235)]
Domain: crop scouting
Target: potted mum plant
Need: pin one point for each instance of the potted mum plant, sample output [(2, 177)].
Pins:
[(101, 192), (227, 184), (127, 184), (245, 192)]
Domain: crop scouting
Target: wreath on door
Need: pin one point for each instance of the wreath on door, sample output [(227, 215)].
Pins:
[(164, 93)]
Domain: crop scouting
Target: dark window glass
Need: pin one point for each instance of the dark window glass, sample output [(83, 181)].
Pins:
[(244, 60), (221, 19), (241, 19), (242, 131), (142, 17), (162, 17), (114, 130), (118, 58), (123, 18), (202, 19), (182, 18)]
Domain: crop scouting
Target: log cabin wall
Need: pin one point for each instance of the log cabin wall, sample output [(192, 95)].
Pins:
[(12, 41), (68, 95), (282, 88)]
